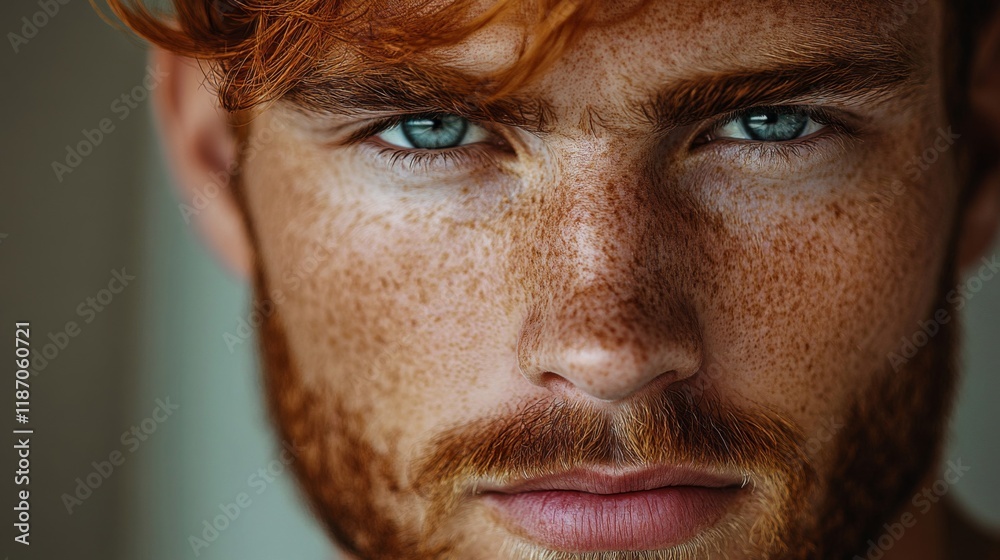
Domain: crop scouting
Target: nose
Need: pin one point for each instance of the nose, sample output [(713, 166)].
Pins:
[(609, 317), (607, 355)]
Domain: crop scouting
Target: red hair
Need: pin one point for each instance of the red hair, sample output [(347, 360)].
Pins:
[(260, 50)]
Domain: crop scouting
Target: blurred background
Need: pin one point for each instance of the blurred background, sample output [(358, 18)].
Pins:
[(147, 425)]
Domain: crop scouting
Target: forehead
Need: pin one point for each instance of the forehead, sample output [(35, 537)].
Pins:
[(710, 35), (619, 53), (633, 51)]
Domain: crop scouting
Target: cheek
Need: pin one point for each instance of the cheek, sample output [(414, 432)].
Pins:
[(391, 304), (813, 292), (802, 287)]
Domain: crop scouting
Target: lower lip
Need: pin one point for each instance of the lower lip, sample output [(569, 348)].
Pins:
[(584, 522)]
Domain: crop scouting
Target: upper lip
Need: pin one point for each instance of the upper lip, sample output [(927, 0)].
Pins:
[(617, 481)]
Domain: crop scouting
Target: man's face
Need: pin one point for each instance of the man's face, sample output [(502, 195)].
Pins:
[(668, 318)]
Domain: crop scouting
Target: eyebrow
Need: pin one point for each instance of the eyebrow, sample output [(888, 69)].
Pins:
[(856, 69), (411, 89), (860, 74)]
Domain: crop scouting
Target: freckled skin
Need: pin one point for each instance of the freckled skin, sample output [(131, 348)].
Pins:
[(599, 263)]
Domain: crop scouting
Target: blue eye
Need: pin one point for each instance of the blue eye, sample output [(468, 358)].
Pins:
[(769, 125), (433, 132)]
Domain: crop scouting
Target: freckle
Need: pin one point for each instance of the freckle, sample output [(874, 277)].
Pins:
[(836, 209)]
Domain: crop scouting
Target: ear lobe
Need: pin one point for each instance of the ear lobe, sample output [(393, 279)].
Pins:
[(982, 214), (202, 152)]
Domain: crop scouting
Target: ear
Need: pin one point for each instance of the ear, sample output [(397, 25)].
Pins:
[(982, 214), (202, 152)]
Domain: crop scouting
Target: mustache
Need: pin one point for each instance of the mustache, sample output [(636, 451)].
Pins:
[(677, 427)]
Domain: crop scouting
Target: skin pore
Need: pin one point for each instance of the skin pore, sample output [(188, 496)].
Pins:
[(628, 277)]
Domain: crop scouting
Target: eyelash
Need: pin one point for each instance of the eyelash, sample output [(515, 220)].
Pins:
[(415, 160), (484, 154), (428, 160), (837, 128)]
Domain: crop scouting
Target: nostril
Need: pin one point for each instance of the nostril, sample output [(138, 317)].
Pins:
[(605, 385), (573, 354)]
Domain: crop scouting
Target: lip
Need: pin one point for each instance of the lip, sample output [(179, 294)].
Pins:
[(593, 510)]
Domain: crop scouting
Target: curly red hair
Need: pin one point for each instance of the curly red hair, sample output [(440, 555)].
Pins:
[(260, 50)]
